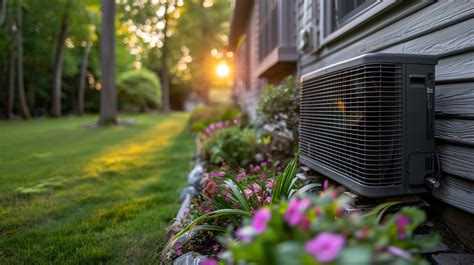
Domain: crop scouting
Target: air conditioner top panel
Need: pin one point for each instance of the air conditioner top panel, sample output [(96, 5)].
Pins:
[(401, 58)]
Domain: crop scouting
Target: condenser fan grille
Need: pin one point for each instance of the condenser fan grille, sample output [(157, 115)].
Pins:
[(351, 123)]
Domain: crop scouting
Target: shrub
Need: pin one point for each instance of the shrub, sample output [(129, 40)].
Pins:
[(138, 90), (278, 108), (202, 116), (233, 145), (315, 230)]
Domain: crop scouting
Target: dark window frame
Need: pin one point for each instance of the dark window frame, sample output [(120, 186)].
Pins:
[(329, 32)]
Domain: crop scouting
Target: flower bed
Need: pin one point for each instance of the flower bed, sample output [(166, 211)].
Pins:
[(247, 206)]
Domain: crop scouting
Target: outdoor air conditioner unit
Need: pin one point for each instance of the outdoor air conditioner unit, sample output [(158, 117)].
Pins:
[(368, 123)]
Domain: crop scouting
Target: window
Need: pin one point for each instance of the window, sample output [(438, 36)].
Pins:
[(340, 16), (268, 31), (345, 10)]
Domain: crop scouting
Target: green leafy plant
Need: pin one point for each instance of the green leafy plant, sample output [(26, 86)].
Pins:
[(278, 108), (138, 90), (231, 197), (317, 231), (233, 145)]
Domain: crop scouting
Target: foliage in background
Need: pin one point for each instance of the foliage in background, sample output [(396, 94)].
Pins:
[(138, 90), (278, 113), (232, 145), (204, 115), (195, 29), (316, 230)]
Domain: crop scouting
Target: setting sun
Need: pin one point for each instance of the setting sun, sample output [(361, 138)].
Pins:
[(222, 70)]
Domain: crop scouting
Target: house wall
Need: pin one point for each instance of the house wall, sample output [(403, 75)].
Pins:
[(248, 94), (443, 28)]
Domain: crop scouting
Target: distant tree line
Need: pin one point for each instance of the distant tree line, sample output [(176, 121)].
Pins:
[(51, 62)]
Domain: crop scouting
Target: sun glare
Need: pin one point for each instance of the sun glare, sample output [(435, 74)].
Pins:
[(222, 70)]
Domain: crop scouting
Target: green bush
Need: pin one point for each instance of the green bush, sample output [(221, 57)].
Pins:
[(202, 116), (138, 90), (279, 107), (233, 145)]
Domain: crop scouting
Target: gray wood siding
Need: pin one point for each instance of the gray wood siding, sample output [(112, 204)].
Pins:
[(443, 28)]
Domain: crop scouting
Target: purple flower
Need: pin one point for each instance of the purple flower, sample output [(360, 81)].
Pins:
[(326, 246), (256, 168), (209, 262), (326, 184), (399, 252), (216, 175), (270, 184), (178, 250), (263, 164), (256, 187), (248, 193), (240, 176), (295, 212), (402, 221), (402, 234), (260, 220)]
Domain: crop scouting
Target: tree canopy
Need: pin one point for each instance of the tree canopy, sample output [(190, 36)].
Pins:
[(190, 29)]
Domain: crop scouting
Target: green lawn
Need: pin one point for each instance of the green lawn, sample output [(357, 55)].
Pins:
[(70, 194)]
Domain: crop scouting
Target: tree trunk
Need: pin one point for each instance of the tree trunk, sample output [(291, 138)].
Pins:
[(11, 85), (82, 82), (3, 12), (165, 80), (58, 67), (25, 112), (108, 96)]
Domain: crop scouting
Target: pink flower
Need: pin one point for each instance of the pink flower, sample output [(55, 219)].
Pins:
[(248, 193), (263, 164), (268, 200), (326, 246), (216, 247), (402, 221), (256, 168), (209, 262), (245, 233), (399, 252), (216, 175), (240, 176), (326, 184), (270, 184), (295, 212), (260, 220), (256, 187)]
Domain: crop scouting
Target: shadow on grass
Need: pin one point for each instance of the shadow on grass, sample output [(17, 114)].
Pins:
[(116, 211)]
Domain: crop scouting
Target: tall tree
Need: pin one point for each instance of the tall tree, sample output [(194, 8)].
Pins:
[(58, 64), (82, 82), (11, 84), (165, 80), (25, 112), (3, 12), (108, 96)]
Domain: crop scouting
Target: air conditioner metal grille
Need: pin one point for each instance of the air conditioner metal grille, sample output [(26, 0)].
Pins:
[(352, 123)]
